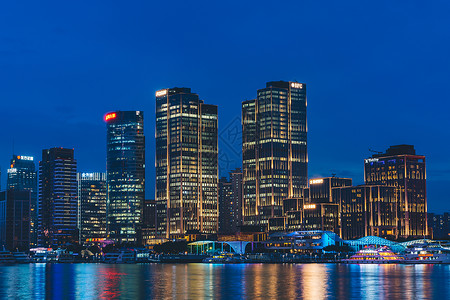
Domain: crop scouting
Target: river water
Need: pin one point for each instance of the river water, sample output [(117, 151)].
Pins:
[(220, 281)]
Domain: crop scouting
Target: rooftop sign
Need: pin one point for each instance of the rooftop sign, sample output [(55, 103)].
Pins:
[(23, 157), (315, 181), (369, 160), (110, 116), (161, 93)]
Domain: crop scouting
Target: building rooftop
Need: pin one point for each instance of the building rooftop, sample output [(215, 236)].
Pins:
[(397, 150)]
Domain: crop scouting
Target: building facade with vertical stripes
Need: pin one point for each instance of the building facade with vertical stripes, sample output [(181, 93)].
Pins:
[(274, 150), (186, 163), (58, 203)]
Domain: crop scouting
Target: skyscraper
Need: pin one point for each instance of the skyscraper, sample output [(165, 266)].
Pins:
[(91, 206), (274, 149), (22, 176), (225, 205), (148, 229), (125, 167), (186, 163), (57, 213), (15, 219), (402, 168), (230, 202)]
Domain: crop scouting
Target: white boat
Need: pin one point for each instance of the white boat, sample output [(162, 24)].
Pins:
[(427, 254), (374, 255)]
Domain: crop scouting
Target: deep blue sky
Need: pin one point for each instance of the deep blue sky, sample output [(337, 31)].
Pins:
[(377, 74)]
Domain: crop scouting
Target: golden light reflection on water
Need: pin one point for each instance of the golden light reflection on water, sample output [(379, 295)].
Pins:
[(314, 281), (216, 281)]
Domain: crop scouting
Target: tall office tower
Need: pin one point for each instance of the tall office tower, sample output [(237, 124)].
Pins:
[(125, 165), (225, 205), (230, 202), (273, 149), (22, 175), (148, 229), (91, 207), (236, 186), (402, 168), (57, 213), (186, 163), (15, 219), (367, 210)]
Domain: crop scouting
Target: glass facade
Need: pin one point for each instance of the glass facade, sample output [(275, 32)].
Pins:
[(125, 165), (186, 163), (274, 149), (402, 168), (22, 175), (58, 203), (91, 206)]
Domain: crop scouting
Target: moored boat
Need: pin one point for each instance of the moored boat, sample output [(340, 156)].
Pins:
[(226, 258), (427, 254), (122, 257), (6, 257), (65, 257), (182, 258), (21, 257), (374, 255)]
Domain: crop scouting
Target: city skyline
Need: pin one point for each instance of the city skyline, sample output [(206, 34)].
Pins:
[(81, 71), (224, 149), (226, 170)]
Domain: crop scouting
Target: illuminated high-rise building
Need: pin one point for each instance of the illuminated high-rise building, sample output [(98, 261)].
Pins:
[(186, 163), (225, 205), (91, 207), (22, 176), (402, 168), (230, 202), (367, 210), (320, 189), (125, 165), (148, 228), (274, 149), (58, 203), (317, 209)]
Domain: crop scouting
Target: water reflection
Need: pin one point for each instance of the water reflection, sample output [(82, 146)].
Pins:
[(191, 281)]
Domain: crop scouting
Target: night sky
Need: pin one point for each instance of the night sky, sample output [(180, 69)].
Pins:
[(377, 74)]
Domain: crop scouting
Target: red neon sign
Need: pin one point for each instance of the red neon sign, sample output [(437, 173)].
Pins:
[(110, 116)]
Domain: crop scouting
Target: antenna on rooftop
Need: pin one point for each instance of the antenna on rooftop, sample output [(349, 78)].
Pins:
[(374, 151)]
